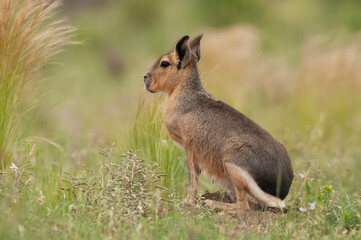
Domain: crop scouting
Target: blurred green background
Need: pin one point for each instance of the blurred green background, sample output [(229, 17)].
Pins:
[(292, 66)]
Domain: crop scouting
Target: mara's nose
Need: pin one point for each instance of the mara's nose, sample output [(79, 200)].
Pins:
[(146, 75)]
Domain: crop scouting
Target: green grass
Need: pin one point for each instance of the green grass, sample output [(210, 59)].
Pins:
[(120, 198), (150, 138)]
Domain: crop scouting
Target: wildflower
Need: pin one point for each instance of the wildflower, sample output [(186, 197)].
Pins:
[(111, 213), (41, 198), (302, 209), (303, 175), (312, 205), (14, 167)]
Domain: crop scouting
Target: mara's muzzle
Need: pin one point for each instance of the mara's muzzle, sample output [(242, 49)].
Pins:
[(147, 82)]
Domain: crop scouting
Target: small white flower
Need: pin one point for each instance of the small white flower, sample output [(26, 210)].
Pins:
[(303, 175), (164, 142), (302, 209), (41, 198), (312, 205), (14, 167)]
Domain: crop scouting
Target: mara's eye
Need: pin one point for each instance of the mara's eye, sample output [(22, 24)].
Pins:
[(164, 64)]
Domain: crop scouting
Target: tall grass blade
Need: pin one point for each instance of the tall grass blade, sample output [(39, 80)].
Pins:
[(29, 37)]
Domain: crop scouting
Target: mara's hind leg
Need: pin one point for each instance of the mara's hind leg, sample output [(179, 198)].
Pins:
[(239, 184), (230, 190), (228, 185)]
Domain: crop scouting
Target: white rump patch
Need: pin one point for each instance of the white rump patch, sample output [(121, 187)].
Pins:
[(255, 191)]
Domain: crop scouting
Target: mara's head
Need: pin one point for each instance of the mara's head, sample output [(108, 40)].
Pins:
[(171, 69)]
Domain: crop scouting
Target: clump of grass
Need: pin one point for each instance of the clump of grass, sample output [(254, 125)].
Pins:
[(121, 188), (29, 37), (149, 135)]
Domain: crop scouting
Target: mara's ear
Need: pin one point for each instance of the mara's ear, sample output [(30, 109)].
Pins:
[(183, 51), (195, 45)]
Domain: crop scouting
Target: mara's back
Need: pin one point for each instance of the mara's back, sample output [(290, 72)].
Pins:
[(218, 133)]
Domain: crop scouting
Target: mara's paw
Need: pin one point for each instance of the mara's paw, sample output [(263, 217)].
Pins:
[(209, 203)]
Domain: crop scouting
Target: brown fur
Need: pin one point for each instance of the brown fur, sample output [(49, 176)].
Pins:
[(218, 140)]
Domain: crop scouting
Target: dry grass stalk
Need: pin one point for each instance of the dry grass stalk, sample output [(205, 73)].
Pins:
[(29, 37)]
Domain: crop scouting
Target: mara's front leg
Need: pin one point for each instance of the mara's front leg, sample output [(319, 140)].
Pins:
[(193, 175)]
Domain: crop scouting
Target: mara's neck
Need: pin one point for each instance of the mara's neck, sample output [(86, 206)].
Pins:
[(190, 83)]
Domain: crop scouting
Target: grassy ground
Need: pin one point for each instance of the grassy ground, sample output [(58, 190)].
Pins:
[(295, 75)]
